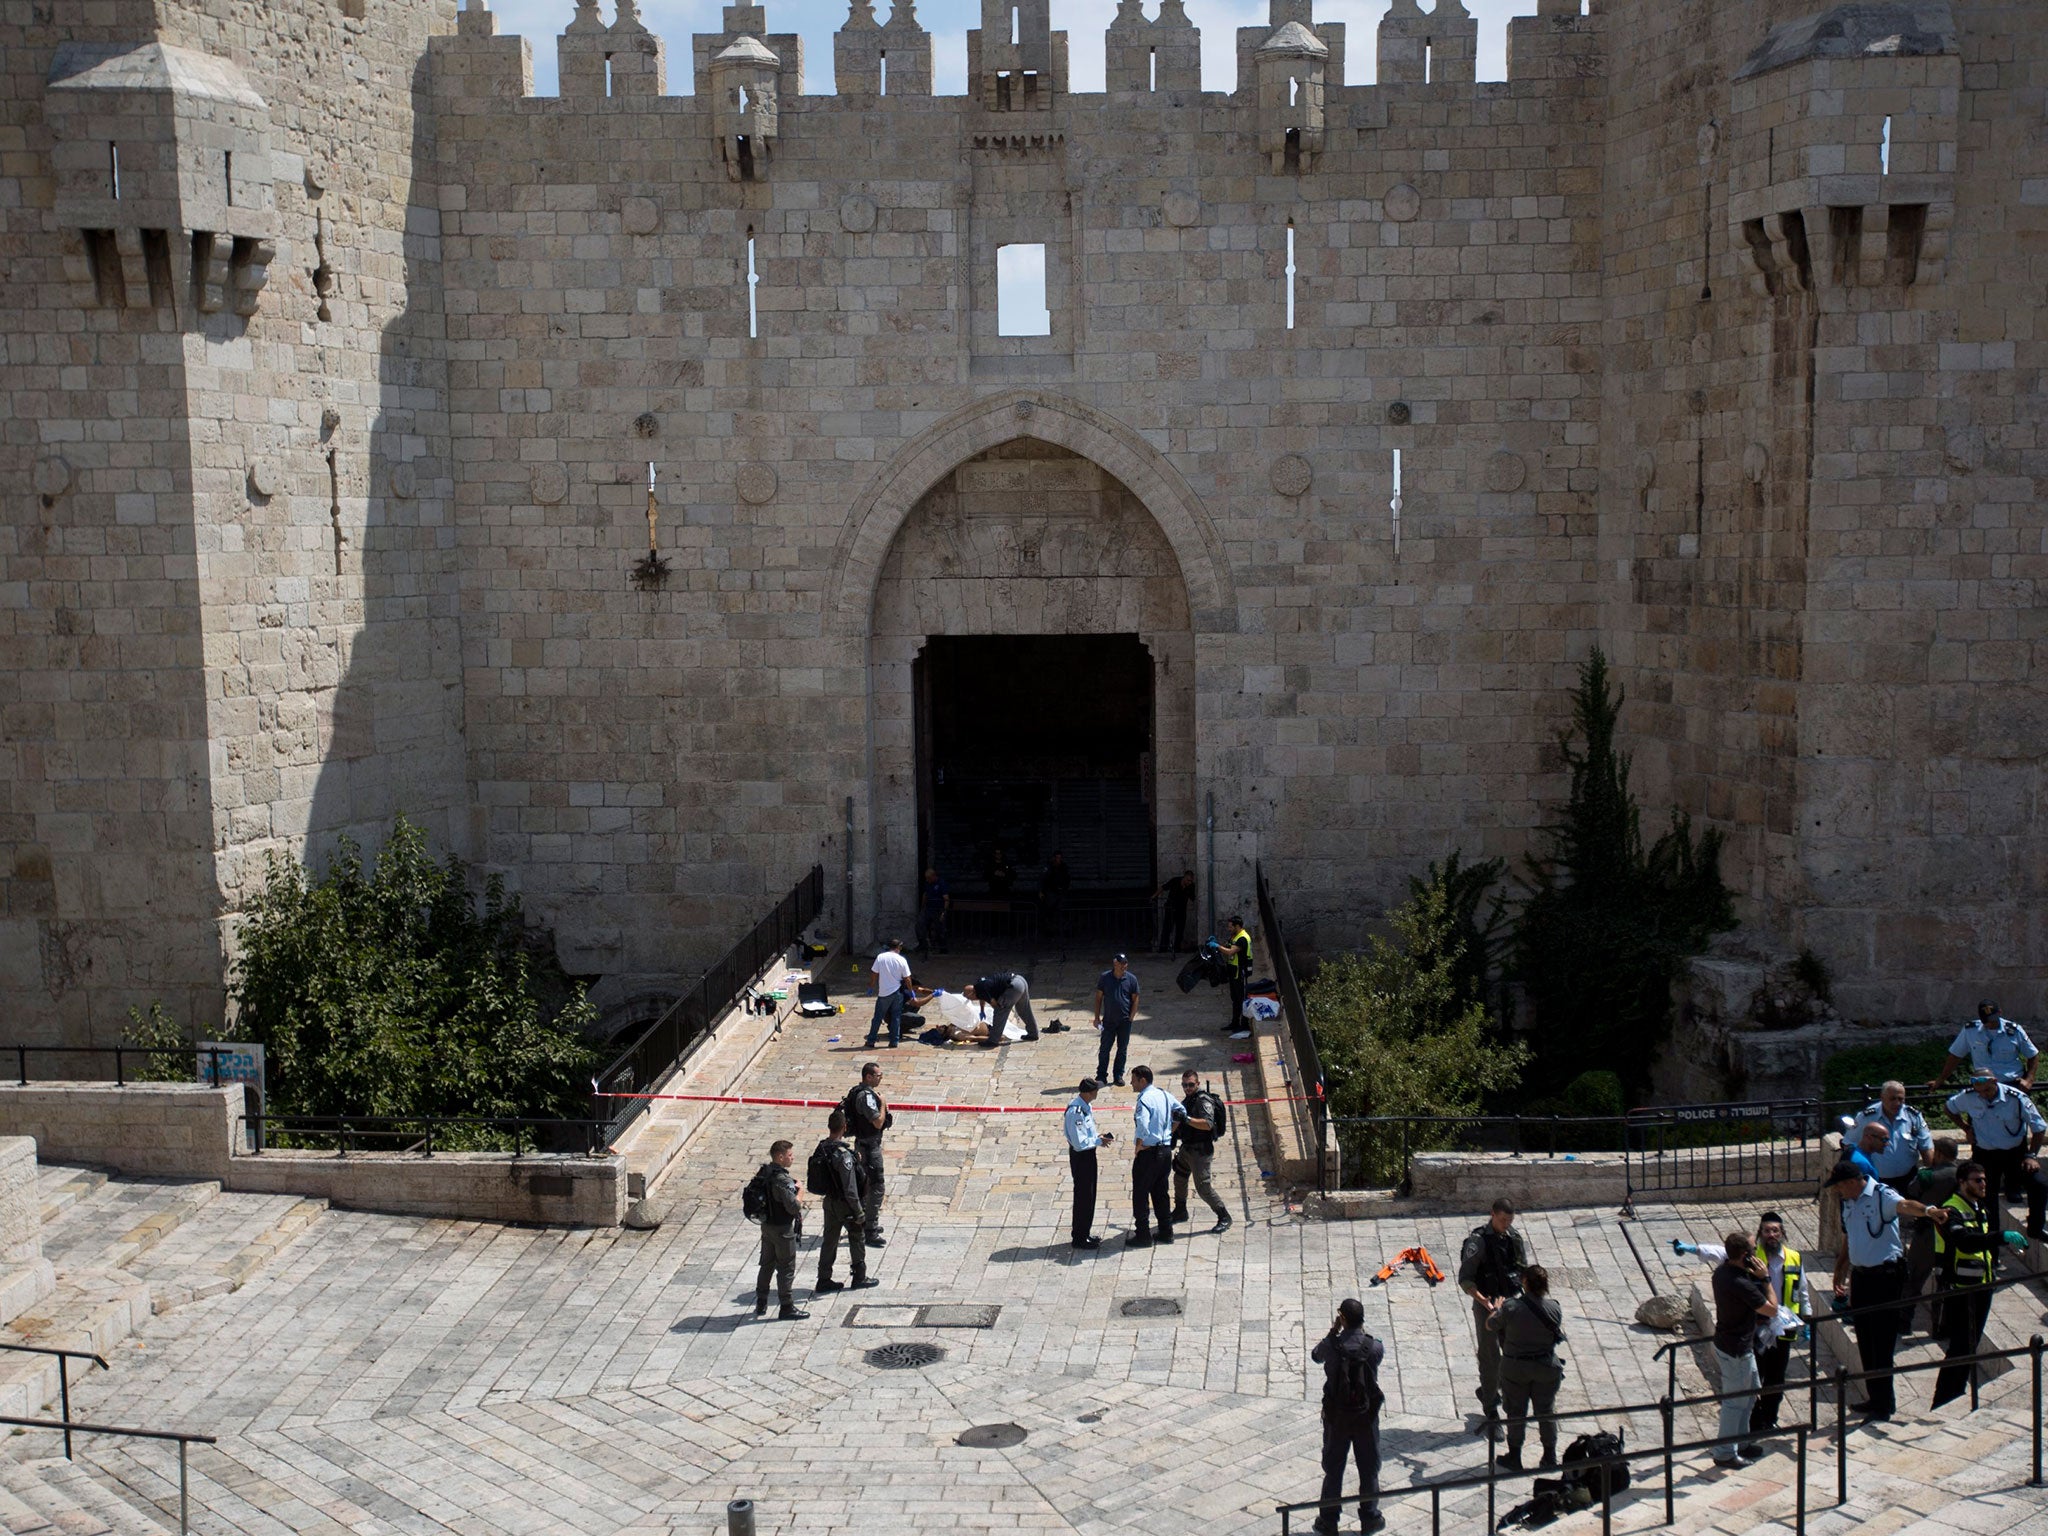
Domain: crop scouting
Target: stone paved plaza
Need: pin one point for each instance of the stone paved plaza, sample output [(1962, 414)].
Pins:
[(388, 1374)]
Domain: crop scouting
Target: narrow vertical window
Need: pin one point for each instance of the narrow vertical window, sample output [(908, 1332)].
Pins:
[(114, 169), (1290, 274), (1884, 149), (745, 100), (1428, 59), (1394, 505), (1152, 69), (885, 73), (753, 282), (227, 172), (1021, 309), (607, 75), (1016, 24), (1293, 90)]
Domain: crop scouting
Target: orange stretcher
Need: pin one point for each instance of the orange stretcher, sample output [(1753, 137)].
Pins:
[(1419, 1257)]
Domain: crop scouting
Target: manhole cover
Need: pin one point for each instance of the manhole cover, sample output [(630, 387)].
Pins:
[(1149, 1306), (991, 1436), (905, 1357)]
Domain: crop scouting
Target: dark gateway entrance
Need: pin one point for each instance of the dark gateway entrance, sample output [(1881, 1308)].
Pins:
[(1035, 745)]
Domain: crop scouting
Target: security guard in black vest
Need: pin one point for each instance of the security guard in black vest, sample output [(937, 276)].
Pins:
[(867, 1116), (1966, 1251)]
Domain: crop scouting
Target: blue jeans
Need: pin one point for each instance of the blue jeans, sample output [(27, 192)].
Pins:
[(888, 1010), (1740, 1376), (1115, 1034)]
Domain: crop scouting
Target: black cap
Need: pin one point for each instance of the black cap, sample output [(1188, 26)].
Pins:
[(1847, 1168), (1119, 959)]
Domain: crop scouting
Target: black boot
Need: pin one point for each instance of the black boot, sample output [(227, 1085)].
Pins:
[(760, 1306), (791, 1313), (863, 1283)]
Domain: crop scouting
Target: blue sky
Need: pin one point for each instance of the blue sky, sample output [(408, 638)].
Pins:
[(540, 21)]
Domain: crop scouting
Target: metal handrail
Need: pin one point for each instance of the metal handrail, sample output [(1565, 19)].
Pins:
[(1308, 1061), (421, 1130), (120, 1053), (2035, 1348), (655, 1051), (183, 1439), (64, 1359)]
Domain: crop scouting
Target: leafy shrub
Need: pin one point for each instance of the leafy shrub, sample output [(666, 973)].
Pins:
[(387, 992), (1608, 922), (170, 1058), (1844, 1074), (1396, 1037)]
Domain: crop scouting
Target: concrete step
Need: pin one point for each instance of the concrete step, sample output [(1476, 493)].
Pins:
[(234, 1238), (49, 1496), (91, 1309), (60, 1186), (116, 1224)]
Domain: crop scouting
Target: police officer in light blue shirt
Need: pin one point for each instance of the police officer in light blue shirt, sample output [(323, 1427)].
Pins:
[(1908, 1143), (1992, 1044), (1152, 1129), (1082, 1140), (2006, 1132), (1870, 1271)]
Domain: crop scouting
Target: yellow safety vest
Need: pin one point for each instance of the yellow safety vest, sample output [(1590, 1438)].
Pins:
[(1970, 1267), (1789, 1279), (1240, 950)]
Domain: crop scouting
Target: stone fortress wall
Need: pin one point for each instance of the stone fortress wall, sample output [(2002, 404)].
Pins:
[(1708, 335)]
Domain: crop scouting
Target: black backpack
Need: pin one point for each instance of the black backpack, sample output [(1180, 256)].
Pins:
[(1362, 1392), (818, 1176), (754, 1198), (1613, 1479), (1218, 1116)]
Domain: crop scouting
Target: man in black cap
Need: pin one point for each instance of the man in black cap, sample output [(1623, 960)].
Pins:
[(1870, 1272), (1350, 1358), (1116, 1007)]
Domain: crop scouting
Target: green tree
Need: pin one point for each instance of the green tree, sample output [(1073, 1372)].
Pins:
[(1608, 923), (386, 991), (1397, 1037)]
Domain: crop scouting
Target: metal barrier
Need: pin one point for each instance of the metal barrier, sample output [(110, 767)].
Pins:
[(64, 1359), (655, 1051), (1307, 1063), (1376, 1151), (122, 1055), (1671, 1448), (68, 1425), (418, 1134)]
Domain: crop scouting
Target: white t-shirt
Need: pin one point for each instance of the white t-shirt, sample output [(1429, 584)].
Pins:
[(890, 968)]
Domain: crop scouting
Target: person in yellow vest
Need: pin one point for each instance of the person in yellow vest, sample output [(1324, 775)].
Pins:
[(1776, 1334), (1966, 1253), (1239, 953)]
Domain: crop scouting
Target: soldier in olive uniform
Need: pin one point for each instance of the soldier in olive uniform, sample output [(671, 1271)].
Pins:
[(1530, 1327)]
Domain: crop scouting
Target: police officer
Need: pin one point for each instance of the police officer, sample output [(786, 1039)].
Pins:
[(1907, 1142), (1967, 1250), (1350, 1358), (868, 1116), (1083, 1137), (834, 1174), (782, 1227), (2006, 1132), (1152, 1118), (1870, 1271), (1194, 1149), (1006, 990), (1992, 1043), (1489, 1271), (1530, 1328)]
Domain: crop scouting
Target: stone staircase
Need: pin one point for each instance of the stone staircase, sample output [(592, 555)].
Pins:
[(124, 1250)]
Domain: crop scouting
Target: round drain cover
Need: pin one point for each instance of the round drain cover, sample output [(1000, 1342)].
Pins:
[(1151, 1306), (991, 1436), (905, 1357)]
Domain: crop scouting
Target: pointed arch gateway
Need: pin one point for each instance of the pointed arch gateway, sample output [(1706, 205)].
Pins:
[(1028, 578)]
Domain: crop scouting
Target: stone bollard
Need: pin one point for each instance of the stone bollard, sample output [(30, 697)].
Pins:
[(739, 1518)]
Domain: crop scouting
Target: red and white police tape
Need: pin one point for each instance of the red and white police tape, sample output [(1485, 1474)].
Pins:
[(957, 1109)]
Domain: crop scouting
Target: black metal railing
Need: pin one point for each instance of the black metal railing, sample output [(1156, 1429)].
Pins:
[(1378, 1151), (1306, 1063), (64, 1358), (69, 1425), (654, 1052), (1670, 1448), (123, 1059), (424, 1135)]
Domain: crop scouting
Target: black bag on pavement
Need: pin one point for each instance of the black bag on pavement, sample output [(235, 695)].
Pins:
[(1611, 1479)]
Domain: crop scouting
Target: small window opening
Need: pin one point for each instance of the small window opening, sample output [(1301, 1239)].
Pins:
[(1884, 149), (1030, 89), (1002, 90), (1152, 69), (228, 173), (1290, 154), (744, 150), (608, 75), (1394, 505), (753, 282), (885, 72), (114, 169), (1016, 24), (745, 100), (1020, 291), (1293, 90), (1428, 59), (1290, 274)]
